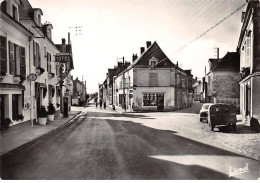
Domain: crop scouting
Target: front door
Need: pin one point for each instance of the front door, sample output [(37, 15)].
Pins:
[(37, 97), (2, 108), (15, 109), (160, 101)]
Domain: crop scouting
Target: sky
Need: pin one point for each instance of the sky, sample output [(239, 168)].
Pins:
[(113, 29)]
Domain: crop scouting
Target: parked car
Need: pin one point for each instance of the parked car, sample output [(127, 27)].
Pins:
[(204, 112), (222, 114)]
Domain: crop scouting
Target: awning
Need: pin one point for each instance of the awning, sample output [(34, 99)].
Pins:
[(8, 86)]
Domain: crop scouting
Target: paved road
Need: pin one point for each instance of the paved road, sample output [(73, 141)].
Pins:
[(101, 144)]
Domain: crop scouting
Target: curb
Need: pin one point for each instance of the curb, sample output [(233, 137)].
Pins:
[(37, 139)]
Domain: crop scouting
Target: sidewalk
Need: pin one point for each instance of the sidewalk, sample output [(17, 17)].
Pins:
[(118, 109), (21, 135)]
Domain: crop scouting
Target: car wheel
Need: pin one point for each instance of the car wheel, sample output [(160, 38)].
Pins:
[(234, 127)]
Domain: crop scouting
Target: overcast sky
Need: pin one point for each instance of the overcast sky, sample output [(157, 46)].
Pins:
[(115, 28)]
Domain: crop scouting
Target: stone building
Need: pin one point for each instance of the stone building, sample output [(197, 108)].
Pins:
[(222, 85)]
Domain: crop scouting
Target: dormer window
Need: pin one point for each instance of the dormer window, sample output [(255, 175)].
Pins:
[(153, 62), (37, 16), (11, 8)]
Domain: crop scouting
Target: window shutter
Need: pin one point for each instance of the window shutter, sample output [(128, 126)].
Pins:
[(39, 54), (22, 62), (34, 54), (11, 58), (3, 56)]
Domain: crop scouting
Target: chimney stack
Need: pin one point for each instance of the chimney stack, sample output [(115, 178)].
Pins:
[(69, 38), (134, 57), (148, 44), (142, 50), (63, 47)]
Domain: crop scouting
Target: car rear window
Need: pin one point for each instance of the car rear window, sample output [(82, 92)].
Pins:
[(205, 106)]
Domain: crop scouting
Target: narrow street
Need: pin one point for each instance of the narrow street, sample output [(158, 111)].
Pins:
[(102, 144)]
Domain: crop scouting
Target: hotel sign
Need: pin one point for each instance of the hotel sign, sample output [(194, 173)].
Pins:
[(63, 57)]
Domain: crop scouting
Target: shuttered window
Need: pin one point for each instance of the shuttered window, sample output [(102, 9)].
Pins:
[(3, 56), (153, 79), (12, 58), (22, 61), (48, 62), (36, 55)]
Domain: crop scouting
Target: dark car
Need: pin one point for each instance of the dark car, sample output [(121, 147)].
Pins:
[(222, 115)]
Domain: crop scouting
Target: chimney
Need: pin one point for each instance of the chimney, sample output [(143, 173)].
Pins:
[(142, 50), (148, 44), (63, 47), (134, 57), (68, 37)]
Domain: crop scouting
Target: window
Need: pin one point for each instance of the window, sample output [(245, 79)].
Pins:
[(153, 63), (150, 99), (36, 55), (48, 62), (12, 58), (178, 80), (248, 45), (3, 56), (22, 62), (15, 13), (153, 79), (39, 19)]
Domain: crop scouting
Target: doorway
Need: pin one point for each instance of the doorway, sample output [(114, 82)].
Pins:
[(160, 101), (15, 107), (2, 107)]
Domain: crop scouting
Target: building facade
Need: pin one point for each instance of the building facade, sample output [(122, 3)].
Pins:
[(15, 59), (222, 85), (79, 92), (29, 74), (153, 83), (249, 49)]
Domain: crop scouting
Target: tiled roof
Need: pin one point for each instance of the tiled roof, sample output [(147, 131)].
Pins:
[(230, 62)]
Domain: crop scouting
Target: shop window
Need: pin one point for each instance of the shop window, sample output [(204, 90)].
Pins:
[(150, 99)]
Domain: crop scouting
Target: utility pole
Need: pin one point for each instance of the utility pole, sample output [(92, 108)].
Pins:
[(124, 83)]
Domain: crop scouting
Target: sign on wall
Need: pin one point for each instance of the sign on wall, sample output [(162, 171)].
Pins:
[(63, 57)]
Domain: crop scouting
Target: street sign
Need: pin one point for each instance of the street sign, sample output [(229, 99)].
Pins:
[(32, 77), (63, 57)]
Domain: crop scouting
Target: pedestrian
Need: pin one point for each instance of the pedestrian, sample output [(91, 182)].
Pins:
[(100, 103), (96, 104), (105, 104)]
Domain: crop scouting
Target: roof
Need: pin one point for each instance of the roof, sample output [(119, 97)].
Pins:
[(230, 62), (154, 51)]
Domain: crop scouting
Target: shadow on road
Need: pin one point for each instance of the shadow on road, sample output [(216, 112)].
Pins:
[(103, 149)]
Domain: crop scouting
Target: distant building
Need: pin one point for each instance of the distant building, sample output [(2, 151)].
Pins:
[(79, 92), (197, 90), (221, 81), (152, 82), (249, 49), (107, 86)]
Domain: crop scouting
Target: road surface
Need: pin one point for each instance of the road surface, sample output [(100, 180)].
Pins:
[(101, 144)]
